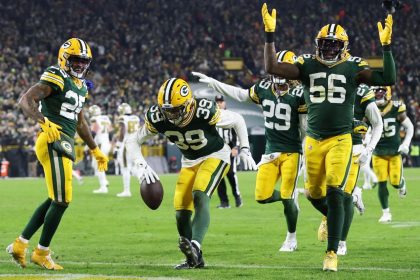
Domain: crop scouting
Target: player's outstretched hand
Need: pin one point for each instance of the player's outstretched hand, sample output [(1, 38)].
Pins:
[(202, 78), (146, 172), (246, 157), (268, 19), (385, 33)]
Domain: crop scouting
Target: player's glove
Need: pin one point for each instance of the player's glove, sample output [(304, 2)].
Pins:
[(146, 172), (360, 127), (269, 20), (385, 33), (364, 155), (51, 129), (404, 149), (90, 85), (246, 158), (101, 158), (204, 79)]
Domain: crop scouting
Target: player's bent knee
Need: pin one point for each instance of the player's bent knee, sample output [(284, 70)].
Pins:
[(61, 204)]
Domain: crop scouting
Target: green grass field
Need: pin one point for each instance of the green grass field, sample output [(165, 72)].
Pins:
[(105, 237)]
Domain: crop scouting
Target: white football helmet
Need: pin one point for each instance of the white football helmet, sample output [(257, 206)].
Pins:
[(124, 109), (94, 111)]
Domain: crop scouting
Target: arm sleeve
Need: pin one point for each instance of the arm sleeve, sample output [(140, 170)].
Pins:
[(236, 93), (134, 141), (302, 125), (387, 76), (408, 125), (374, 116), (229, 119)]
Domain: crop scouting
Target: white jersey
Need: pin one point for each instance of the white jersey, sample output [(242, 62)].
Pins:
[(102, 126), (131, 124)]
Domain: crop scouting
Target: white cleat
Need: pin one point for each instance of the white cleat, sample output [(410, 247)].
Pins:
[(386, 218), (342, 248), (357, 200), (124, 194), (289, 245), (101, 190), (403, 191)]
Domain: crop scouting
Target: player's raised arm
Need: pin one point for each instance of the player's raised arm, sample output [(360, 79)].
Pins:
[(387, 76), (236, 93), (285, 70)]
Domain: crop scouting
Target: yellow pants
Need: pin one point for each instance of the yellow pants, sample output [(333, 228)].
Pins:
[(388, 166), (352, 177)]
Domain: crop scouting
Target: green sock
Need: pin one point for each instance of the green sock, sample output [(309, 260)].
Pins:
[(36, 220), (335, 217), (383, 195), (320, 205), (51, 222), (291, 213), (201, 220), (274, 198), (183, 223), (348, 215)]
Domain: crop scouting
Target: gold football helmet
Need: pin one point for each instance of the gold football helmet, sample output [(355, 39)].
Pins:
[(383, 94), (331, 44), (282, 85), (124, 109), (94, 111), (75, 57), (176, 101)]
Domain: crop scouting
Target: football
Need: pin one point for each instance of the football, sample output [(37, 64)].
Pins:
[(152, 194)]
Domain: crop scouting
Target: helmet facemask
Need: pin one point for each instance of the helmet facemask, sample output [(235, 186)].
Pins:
[(281, 85), (330, 51), (176, 115), (78, 66), (381, 96)]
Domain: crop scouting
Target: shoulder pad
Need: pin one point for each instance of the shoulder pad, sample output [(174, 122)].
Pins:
[(54, 76)]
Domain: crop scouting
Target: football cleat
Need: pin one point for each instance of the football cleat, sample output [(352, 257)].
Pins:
[(223, 205), (101, 190), (402, 192), (330, 261), (43, 259), (18, 251), (289, 245), (342, 248), (124, 194), (323, 230), (238, 201), (385, 218), (357, 200), (194, 256)]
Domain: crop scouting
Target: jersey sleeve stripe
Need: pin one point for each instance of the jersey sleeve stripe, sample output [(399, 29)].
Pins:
[(150, 127), (215, 118), (52, 75), (53, 81), (253, 96), (367, 97)]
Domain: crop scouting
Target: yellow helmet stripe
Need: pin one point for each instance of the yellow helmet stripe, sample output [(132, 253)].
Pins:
[(168, 90), (281, 56), (83, 46)]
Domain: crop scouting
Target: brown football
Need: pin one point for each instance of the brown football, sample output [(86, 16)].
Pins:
[(152, 194)]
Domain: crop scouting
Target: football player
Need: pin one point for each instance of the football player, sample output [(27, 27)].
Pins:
[(128, 125), (284, 112), (59, 95), (190, 124), (386, 159), (101, 126), (330, 78)]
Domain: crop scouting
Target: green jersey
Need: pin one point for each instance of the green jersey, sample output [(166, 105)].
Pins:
[(64, 104), (281, 116), (390, 140), (364, 96), (329, 94), (198, 138)]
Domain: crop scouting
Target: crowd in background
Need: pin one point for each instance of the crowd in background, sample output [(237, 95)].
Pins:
[(137, 45)]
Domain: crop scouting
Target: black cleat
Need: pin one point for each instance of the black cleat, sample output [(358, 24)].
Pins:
[(192, 253)]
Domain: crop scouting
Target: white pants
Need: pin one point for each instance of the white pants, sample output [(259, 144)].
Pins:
[(105, 148)]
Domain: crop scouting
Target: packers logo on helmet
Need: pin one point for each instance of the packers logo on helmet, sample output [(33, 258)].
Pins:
[(124, 109), (331, 44), (176, 101), (282, 85), (94, 111), (75, 57), (383, 94)]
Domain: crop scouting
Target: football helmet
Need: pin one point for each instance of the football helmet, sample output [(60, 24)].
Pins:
[(176, 101), (331, 44), (124, 109), (75, 57), (94, 111), (383, 94), (282, 85)]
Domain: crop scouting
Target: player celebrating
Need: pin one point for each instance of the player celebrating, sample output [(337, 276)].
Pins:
[(284, 112), (330, 77), (191, 124), (101, 126), (386, 158), (128, 125), (60, 95)]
